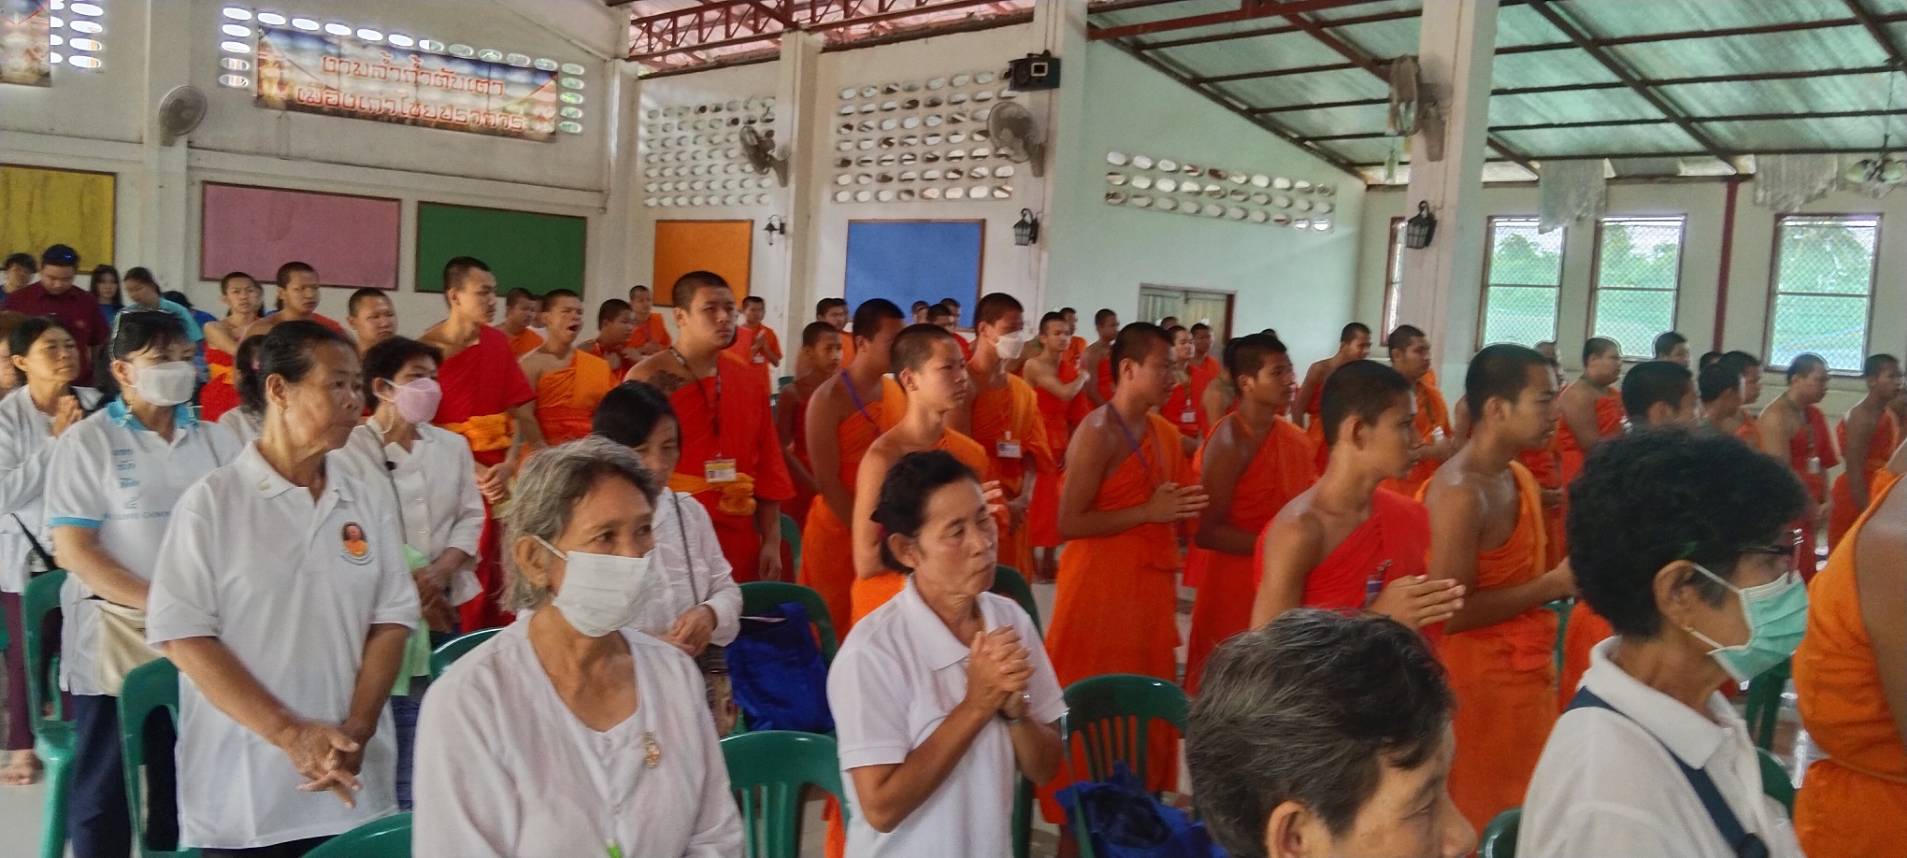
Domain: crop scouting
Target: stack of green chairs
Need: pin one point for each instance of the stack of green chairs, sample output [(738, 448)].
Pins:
[(148, 688), (766, 772), (52, 734), (1112, 717), (1763, 711), (455, 648), (389, 837)]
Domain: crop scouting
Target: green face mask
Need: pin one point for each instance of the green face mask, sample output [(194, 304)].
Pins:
[(1777, 617)]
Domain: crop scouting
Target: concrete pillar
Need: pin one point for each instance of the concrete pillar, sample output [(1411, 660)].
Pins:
[(1443, 283), (164, 224), (801, 127), (615, 262), (1058, 26)]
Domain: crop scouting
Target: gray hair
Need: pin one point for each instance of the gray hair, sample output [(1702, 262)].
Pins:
[(545, 495)]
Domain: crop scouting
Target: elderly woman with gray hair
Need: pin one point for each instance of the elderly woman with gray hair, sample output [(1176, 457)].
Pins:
[(567, 733)]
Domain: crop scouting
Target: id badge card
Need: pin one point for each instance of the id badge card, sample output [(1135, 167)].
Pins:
[(1007, 449), (1814, 465), (719, 471), (760, 358), (1188, 417)]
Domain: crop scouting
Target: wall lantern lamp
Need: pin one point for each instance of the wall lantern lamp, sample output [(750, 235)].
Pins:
[(1027, 232), (1419, 229), (776, 226)]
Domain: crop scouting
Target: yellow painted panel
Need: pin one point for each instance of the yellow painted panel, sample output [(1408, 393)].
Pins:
[(41, 207)]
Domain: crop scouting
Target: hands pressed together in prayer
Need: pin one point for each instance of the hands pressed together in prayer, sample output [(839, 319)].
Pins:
[(998, 671), (1172, 503)]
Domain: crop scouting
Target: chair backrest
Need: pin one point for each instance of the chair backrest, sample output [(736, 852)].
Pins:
[(1775, 783), (759, 597), (1114, 713), (766, 772), (791, 534), (455, 648), (37, 604), (1008, 582), (148, 688), (389, 837), (1499, 837), (1763, 709)]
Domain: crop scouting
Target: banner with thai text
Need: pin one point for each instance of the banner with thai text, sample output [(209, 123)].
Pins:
[(342, 76), (26, 46)]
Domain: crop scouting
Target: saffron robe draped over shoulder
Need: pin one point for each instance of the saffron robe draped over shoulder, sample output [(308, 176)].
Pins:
[(827, 543), (1004, 418), (871, 593), (481, 384), (727, 417), (566, 398)]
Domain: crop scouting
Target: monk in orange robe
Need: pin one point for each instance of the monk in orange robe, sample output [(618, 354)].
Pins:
[(846, 413), (821, 352), (1486, 520), (489, 402), (1354, 343), (1097, 357), (373, 318), (1788, 431), (1202, 371), (1128, 489), (755, 342), (1347, 543), (1588, 412), (1004, 418), (1409, 349), (647, 333), (1254, 463), (521, 309), (569, 382), (614, 320), (298, 286), (1867, 435), (927, 365), (731, 457), (1852, 686), (1057, 382)]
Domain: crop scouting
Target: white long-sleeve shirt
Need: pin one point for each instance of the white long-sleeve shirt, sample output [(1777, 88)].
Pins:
[(26, 452), (504, 768), (433, 486), (692, 572)]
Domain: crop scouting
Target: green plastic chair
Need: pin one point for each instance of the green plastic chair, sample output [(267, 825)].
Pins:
[(1113, 715), (1499, 837), (791, 534), (1774, 780), (52, 734), (759, 597), (1008, 582), (766, 772), (1561, 607), (1763, 711), (389, 837), (455, 648), (148, 688)]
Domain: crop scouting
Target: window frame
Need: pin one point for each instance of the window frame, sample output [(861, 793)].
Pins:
[(1775, 293), (1489, 254), (1675, 292), (1393, 275)]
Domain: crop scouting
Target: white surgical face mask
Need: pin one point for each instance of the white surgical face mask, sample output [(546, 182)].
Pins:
[(166, 384), (1009, 346), (601, 592)]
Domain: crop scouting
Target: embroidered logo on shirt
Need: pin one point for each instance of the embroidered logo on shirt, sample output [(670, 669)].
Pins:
[(357, 551)]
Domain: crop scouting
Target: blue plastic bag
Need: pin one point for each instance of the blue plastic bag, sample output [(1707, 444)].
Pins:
[(1125, 821), (776, 672)]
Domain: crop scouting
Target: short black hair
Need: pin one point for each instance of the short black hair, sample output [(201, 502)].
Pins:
[(1500, 371), (59, 254), (294, 267), (638, 288), (138, 329), (1598, 346), (915, 345), (29, 331), (519, 293), (1200, 326), (1351, 331), (629, 413), (872, 312), (939, 311), (177, 297), (1246, 355), (288, 352), (1805, 363), (754, 299), (1741, 362), (951, 303), (1052, 316), (1650, 498), (1400, 338), (994, 306), (1653, 381), (610, 309), (1365, 388), (554, 294), (919, 306), (682, 294), (1877, 364), (386, 359), (822, 306), (1066, 310), (226, 281), (141, 274), (1279, 718), (250, 385), (21, 260), (1708, 359), (361, 296), (1136, 342), (1715, 381), (910, 482), (1104, 313), (1666, 342), (815, 331), (459, 267)]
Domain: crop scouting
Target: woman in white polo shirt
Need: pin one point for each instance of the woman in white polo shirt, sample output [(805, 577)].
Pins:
[(1679, 540), (570, 733), (943, 697), (48, 358), (283, 597)]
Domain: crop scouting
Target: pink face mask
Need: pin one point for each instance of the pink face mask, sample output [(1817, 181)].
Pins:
[(417, 400)]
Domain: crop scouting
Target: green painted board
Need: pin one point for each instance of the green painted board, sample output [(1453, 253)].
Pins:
[(536, 251)]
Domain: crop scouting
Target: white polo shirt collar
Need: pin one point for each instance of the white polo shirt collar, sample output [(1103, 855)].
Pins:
[(1694, 739), (183, 415), (941, 649)]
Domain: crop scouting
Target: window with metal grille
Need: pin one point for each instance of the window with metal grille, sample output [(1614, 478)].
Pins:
[(1823, 289), (1638, 273), (1393, 277), (1523, 277)]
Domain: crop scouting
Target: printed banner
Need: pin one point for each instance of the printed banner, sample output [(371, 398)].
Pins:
[(26, 49), (341, 76)]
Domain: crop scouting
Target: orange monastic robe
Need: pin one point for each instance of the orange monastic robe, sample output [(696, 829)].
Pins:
[(1855, 799), (871, 593), (525, 341), (566, 398), (1007, 425), (650, 331), (1880, 448), (1203, 373), (1114, 608), (1042, 518), (1314, 423), (1395, 539), (727, 417), (1074, 356), (1811, 454), (219, 393), (827, 543), (1432, 425), (1503, 675), (481, 384), (1279, 470), (1569, 458), (1181, 407)]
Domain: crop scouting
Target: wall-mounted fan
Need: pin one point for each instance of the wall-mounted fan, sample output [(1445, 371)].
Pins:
[(1017, 134), (763, 155)]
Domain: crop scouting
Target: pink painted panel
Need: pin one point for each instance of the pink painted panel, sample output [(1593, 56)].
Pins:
[(351, 240)]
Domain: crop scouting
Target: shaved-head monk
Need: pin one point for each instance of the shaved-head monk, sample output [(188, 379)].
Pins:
[(521, 307), (1671, 346), (1748, 367), (1487, 534), (928, 367), (846, 413), (820, 352), (1347, 543), (1354, 343), (1787, 431), (1180, 407), (1204, 369), (731, 458), (1004, 417), (647, 334), (568, 381), (1868, 435), (1588, 411), (1127, 489), (614, 321), (1057, 381), (1720, 391), (1254, 463), (1098, 359), (1409, 349)]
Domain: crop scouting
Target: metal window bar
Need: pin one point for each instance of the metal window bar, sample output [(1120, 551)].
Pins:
[(1640, 328), (1809, 324)]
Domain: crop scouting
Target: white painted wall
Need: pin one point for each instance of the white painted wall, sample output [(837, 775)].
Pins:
[(1298, 282)]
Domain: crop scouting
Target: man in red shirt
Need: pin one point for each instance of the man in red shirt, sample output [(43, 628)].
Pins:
[(55, 294)]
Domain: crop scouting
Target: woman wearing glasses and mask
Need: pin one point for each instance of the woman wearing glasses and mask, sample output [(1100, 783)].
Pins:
[(1681, 541)]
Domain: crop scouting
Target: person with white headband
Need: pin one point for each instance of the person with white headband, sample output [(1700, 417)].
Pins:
[(429, 476), (110, 491), (570, 733)]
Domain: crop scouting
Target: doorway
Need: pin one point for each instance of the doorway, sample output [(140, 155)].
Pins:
[(1191, 306)]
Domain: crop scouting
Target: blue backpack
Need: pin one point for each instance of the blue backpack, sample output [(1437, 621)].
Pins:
[(1125, 821), (776, 673)]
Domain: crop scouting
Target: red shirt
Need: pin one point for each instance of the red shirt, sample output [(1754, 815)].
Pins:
[(77, 311)]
